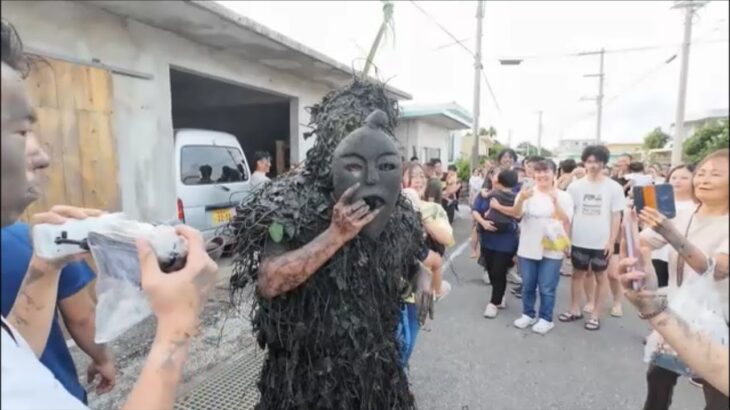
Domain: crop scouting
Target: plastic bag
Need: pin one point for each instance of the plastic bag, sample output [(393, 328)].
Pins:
[(555, 238), (699, 304), (121, 303)]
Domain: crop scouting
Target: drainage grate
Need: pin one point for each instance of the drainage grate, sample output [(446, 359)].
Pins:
[(231, 386)]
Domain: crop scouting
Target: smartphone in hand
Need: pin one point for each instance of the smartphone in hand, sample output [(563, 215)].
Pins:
[(659, 197)]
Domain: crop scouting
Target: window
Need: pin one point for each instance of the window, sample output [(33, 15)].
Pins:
[(208, 164)]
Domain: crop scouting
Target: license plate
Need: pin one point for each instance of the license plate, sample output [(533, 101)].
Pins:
[(221, 216)]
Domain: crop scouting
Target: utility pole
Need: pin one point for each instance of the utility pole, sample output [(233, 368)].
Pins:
[(509, 138), (539, 133), (599, 97), (678, 141), (477, 84)]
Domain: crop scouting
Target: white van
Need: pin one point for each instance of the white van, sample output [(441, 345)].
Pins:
[(212, 177)]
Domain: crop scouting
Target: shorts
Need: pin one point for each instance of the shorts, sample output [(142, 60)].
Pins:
[(583, 259), (617, 249)]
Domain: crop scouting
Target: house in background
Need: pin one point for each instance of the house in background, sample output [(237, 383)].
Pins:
[(696, 121), (428, 131), (467, 144), (572, 149), (123, 75)]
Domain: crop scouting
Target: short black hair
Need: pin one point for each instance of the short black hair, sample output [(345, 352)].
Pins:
[(12, 49), (544, 165), (599, 152), (519, 169), (636, 166), (452, 167), (507, 151), (533, 158), (414, 159), (435, 161), (507, 178), (626, 154), (568, 165), (259, 155)]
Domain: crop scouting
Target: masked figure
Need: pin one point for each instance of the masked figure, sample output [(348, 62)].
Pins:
[(331, 248)]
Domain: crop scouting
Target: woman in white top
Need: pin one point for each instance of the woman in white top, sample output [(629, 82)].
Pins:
[(680, 177), (543, 208), (695, 234), (475, 186)]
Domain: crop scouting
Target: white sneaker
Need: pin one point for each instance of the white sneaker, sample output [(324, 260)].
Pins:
[(542, 326), (513, 277), (445, 289), (485, 279), (524, 321), (491, 311)]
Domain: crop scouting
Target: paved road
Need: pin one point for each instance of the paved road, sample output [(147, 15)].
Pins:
[(463, 362), (468, 362)]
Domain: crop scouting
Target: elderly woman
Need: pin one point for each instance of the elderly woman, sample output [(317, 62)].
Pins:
[(693, 234)]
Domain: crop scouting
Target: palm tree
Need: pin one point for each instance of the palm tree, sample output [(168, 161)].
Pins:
[(384, 25)]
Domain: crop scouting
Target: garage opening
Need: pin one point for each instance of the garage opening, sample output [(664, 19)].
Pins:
[(259, 120)]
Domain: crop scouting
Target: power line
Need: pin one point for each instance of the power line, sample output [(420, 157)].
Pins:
[(613, 51), (433, 19), (491, 93)]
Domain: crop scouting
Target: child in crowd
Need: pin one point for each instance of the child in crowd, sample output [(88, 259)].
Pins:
[(503, 192), (637, 176)]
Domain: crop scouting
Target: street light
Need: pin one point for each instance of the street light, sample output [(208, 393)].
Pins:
[(510, 61)]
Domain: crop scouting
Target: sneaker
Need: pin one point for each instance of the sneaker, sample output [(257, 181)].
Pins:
[(517, 291), (485, 279), (524, 321), (445, 289), (491, 311), (542, 326), (513, 277)]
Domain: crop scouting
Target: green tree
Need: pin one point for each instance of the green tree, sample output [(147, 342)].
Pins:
[(527, 149), (711, 137), (462, 167), (656, 139)]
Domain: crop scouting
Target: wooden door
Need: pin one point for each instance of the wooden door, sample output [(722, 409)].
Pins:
[(74, 108)]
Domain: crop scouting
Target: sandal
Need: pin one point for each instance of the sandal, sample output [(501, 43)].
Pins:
[(588, 309), (569, 317), (617, 311), (592, 324)]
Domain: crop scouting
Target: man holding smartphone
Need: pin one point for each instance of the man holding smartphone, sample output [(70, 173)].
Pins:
[(598, 201)]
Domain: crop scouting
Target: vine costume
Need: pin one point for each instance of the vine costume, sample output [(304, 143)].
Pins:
[(330, 342)]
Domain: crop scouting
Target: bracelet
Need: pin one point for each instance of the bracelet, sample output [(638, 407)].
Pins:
[(662, 307), (710, 266)]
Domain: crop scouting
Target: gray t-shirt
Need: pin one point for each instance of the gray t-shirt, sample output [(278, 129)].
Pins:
[(594, 205), (258, 178)]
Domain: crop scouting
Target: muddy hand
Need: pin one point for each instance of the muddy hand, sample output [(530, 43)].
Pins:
[(348, 218)]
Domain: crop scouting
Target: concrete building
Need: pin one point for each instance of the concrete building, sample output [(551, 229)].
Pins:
[(127, 73), (428, 131), (572, 149), (697, 121)]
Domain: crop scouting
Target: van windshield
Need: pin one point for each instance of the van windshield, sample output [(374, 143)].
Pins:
[(208, 164)]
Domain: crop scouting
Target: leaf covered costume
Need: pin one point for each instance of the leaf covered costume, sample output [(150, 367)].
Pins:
[(331, 342)]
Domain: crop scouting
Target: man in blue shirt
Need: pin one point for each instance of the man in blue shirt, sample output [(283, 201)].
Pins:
[(76, 307)]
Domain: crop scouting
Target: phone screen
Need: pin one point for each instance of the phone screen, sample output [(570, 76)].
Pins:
[(528, 183)]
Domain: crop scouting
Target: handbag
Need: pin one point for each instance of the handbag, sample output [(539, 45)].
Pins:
[(555, 238)]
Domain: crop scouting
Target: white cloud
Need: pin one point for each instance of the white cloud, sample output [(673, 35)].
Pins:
[(411, 61)]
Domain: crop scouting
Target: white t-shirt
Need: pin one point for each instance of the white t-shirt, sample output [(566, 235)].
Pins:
[(595, 203), (475, 184), (639, 179), (258, 178), (662, 253), (26, 382), (536, 213)]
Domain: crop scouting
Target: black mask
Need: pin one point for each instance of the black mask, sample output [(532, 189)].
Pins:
[(369, 156)]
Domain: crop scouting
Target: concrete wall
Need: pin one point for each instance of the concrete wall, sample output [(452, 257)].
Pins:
[(421, 134), (142, 116)]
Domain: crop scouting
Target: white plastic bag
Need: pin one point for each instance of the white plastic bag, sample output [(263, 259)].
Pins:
[(121, 303)]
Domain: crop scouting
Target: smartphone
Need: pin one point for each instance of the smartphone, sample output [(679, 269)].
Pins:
[(659, 197), (630, 233), (528, 183)]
